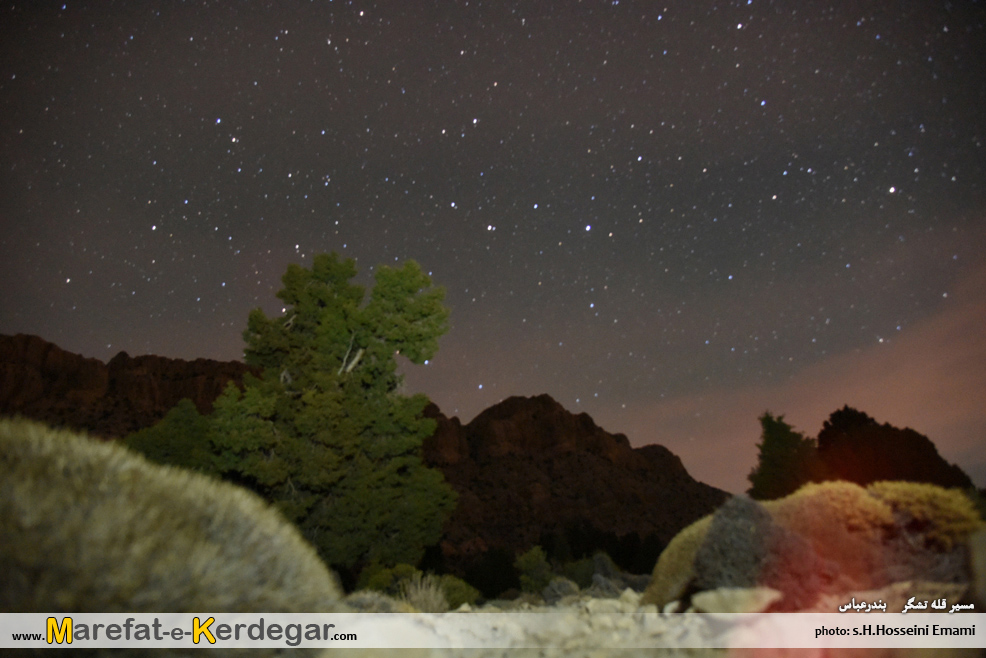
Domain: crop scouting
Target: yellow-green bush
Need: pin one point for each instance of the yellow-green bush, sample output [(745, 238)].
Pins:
[(858, 531), (579, 572), (843, 523), (673, 570), (377, 577), (89, 526), (458, 591), (944, 517), (393, 581)]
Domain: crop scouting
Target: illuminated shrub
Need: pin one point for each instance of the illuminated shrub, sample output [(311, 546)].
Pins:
[(942, 517), (735, 547), (89, 526), (824, 538), (458, 591), (424, 593), (842, 523), (579, 571), (675, 567), (393, 581)]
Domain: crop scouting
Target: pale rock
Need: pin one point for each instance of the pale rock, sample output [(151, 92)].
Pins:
[(735, 599), (630, 597)]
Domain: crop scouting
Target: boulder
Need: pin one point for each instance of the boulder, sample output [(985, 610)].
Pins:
[(558, 589), (735, 599)]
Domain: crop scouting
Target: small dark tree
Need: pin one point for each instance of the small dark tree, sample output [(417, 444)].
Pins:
[(843, 423), (181, 438), (785, 463)]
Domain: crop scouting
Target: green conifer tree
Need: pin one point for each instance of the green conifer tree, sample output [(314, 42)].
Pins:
[(325, 434), (181, 439), (786, 460)]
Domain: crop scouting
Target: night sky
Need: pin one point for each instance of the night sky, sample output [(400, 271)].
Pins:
[(670, 216)]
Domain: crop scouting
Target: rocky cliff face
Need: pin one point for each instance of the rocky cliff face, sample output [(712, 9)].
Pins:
[(40, 380), (527, 471)]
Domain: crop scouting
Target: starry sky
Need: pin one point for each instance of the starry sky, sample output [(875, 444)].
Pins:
[(670, 216)]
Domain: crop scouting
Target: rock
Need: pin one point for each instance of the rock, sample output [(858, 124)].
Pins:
[(604, 588), (558, 589), (447, 446), (527, 468), (604, 566), (41, 381), (735, 599), (637, 582)]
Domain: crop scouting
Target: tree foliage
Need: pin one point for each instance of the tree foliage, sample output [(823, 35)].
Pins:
[(325, 434), (851, 447), (181, 438), (854, 447), (786, 460)]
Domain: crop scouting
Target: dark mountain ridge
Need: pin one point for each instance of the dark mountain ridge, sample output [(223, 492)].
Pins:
[(528, 472), (40, 380)]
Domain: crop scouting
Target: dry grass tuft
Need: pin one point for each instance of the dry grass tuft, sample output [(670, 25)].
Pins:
[(424, 592)]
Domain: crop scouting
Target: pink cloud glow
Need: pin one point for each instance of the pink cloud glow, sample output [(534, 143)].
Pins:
[(931, 377)]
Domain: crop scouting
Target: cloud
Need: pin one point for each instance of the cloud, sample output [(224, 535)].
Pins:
[(931, 377)]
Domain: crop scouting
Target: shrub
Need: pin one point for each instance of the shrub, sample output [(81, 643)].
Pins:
[(534, 570), (458, 591), (842, 523), (579, 571), (142, 537), (675, 568), (377, 577), (368, 600), (493, 573), (943, 517), (735, 546), (393, 581), (978, 498), (825, 538), (404, 571), (424, 592)]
